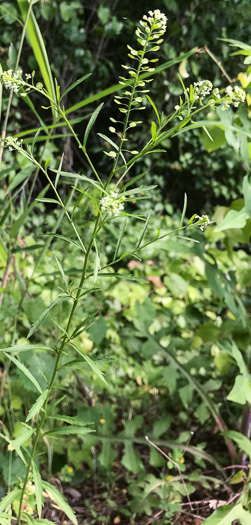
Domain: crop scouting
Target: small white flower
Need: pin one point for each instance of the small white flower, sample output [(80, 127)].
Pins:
[(12, 80), (13, 143), (236, 96), (112, 204), (202, 88)]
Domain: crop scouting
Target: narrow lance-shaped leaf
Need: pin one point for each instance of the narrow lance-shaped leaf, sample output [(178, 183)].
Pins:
[(24, 348), (91, 363), (184, 210), (68, 430), (61, 271), (60, 501), (25, 371), (37, 405), (18, 442), (91, 123), (38, 487), (7, 500), (121, 233), (96, 262), (154, 108), (20, 221), (141, 189), (144, 230), (79, 81), (44, 314), (72, 420), (81, 177)]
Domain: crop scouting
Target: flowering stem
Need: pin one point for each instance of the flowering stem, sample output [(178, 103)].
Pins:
[(20, 47)]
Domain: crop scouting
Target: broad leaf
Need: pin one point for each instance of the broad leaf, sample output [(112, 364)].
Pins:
[(233, 220), (242, 441), (226, 514)]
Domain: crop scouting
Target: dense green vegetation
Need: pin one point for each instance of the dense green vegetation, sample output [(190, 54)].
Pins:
[(124, 309)]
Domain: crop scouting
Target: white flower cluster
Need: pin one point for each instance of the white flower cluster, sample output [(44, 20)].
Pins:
[(12, 80), (155, 20), (235, 95), (202, 221), (13, 143), (202, 88), (112, 204)]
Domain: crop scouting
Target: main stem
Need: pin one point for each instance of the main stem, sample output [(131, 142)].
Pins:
[(56, 366)]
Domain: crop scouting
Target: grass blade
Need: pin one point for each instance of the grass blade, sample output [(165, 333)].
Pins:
[(39, 49)]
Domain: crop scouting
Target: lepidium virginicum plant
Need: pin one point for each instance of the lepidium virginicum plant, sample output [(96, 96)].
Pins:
[(114, 202)]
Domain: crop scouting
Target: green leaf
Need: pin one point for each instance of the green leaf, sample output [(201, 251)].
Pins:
[(241, 391), (144, 230), (67, 239), (246, 188), (52, 201), (60, 501), (121, 233), (39, 489), (20, 177), (25, 371), (79, 81), (232, 350), (103, 14), (78, 421), (45, 313), (233, 220), (242, 441), (81, 177), (61, 271), (131, 459), (91, 363), (141, 189), (25, 348), (20, 221), (37, 405), (96, 261), (67, 430), (226, 514), (26, 434), (7, 500), (154, 108), (153, 130), (91, 123)]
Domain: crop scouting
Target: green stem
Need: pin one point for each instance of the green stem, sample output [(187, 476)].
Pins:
[(56, 367)]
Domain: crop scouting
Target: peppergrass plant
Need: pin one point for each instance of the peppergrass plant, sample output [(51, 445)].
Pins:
[(116, 191)]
